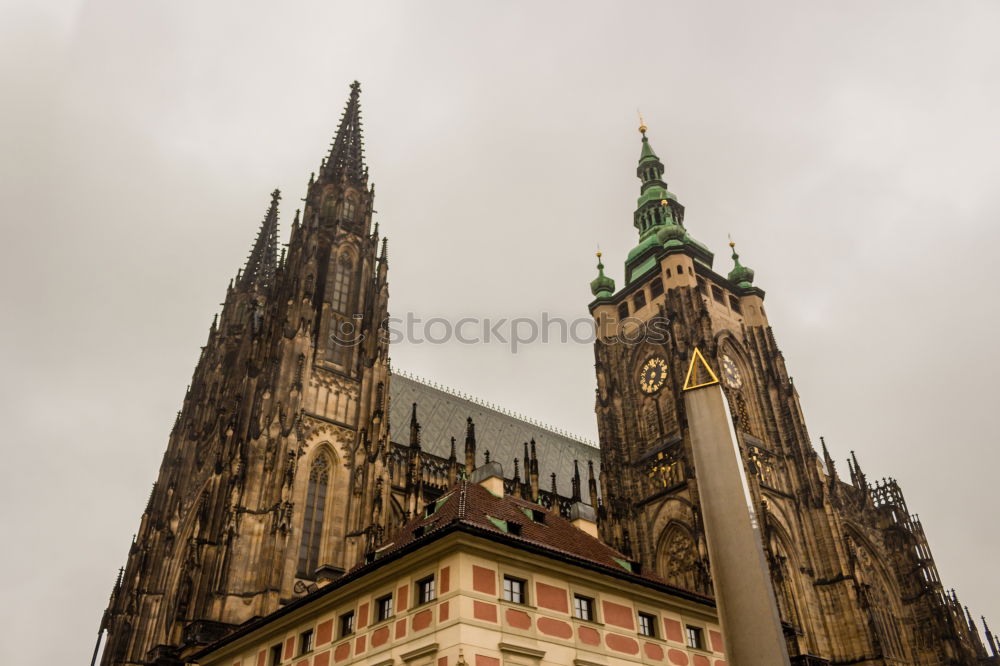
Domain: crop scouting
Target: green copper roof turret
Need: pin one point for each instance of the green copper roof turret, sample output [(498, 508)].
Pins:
[(647, 153), (650, 169), (659, 218), (741, 275), (602, 286)]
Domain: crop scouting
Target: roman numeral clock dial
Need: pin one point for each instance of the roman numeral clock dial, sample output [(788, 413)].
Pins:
[(731, 373), (653, 375)]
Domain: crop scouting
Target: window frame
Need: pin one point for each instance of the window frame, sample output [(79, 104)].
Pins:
[(313, 520), (591, 607), (380, 605), (276, 654), (522, 593), (639, 299), (657, 291), (431, 583), (346, 623), (697, 633), (307, 641), (340, 288), (651, 619)]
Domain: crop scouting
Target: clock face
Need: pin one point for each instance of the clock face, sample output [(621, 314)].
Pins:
[(731, 373), (653, 375)]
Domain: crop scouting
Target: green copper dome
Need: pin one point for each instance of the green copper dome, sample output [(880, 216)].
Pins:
[(602, 286), (647, 241), (671, 235), (741, 275)]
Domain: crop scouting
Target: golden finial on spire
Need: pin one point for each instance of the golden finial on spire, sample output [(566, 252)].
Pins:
[(642, 123), (732, 244)]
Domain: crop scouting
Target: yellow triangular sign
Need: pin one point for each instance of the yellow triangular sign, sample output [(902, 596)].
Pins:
[(699, 372)]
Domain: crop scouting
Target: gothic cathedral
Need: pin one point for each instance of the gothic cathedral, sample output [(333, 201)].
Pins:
[(298, 450)]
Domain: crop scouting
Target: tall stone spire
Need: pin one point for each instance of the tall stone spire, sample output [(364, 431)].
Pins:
[(414, 428), (831, 468), (263, 259), (470, 447), (576, 483), (989, 637), (592, 484), (347, 154), (858, 477)]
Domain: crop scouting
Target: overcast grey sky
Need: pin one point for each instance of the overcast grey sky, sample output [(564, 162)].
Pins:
[(851, 148)]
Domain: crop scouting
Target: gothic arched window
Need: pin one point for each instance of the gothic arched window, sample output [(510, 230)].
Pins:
[(678, 558), (347, 209), (340, 293), (312, 521)]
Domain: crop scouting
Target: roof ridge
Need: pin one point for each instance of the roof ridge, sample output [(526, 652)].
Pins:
[(494, 407)]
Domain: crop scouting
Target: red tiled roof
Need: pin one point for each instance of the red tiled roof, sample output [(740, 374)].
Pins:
[(471, 505)]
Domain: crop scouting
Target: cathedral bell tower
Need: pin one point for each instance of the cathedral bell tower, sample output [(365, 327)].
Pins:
[(829, 544), (671, 304), (646, 333)]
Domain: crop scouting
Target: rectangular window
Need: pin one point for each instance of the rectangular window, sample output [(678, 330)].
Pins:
[(347, 624), (694, 639), (306, 641), (513, 590), (734, 304), (647, 624), (383, 608), (623, 310), (717, 294), (583, 607), (701, 286), (426, 591), (275, 655), (639, 300), (656, 288)]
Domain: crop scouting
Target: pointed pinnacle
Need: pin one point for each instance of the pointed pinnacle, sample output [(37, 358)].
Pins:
[(347, 152), (263, 260)]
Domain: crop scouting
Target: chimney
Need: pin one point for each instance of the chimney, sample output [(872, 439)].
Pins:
[(490, 476), (583, 517)]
